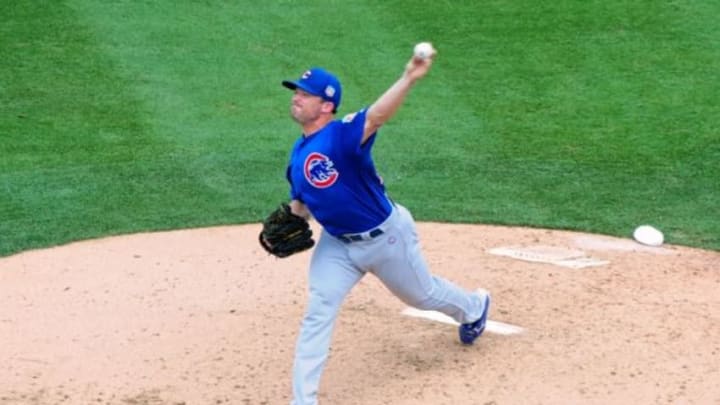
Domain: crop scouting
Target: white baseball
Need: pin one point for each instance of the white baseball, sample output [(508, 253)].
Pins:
[(648, 235), (423, 50)]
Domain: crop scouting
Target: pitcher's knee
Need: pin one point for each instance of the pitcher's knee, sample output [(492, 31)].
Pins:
[(323, 306)]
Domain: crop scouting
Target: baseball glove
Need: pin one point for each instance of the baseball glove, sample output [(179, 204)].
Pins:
[(285, 233)]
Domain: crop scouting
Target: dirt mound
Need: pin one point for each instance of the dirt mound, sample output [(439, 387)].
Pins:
[(206, 317)]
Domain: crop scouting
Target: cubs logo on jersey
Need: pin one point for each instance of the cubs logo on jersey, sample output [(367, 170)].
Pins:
[(320, 170)]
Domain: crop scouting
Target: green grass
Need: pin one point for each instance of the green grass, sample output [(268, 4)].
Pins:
[(132, 116)]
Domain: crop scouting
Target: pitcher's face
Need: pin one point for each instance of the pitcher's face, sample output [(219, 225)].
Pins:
[(306, 107)]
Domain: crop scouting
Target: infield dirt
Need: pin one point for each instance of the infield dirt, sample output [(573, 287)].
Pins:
[(205, 316)]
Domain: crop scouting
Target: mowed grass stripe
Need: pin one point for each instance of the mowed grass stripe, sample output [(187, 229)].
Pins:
[(584, 115), (580, 115), (79, 159)]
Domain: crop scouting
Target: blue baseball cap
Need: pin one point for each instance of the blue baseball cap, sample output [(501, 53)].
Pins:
[(318, 82)]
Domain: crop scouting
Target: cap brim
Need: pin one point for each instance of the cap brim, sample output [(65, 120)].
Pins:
[(290, 85), (295, 85)]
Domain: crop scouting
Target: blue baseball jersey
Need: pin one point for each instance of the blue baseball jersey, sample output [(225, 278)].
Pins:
[(335, 176)]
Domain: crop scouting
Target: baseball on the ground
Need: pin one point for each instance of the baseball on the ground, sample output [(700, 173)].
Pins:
[(648, 235), (423, 50)]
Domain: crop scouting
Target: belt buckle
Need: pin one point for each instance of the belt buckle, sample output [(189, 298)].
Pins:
[(357, 237)]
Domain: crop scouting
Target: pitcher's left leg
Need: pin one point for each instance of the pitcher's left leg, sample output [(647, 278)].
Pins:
[(331, 277)]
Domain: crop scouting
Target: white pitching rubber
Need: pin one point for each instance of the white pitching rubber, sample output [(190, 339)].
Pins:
[(491, 326)]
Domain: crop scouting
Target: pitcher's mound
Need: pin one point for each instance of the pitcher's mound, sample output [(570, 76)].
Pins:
[(206, 317)]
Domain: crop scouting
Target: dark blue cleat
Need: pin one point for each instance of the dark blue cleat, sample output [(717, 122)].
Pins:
[(469, 332)]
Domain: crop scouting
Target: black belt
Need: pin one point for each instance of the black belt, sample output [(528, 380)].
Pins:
[(357, 237)]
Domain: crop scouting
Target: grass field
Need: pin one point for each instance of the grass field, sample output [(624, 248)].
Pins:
[(587, 115)]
